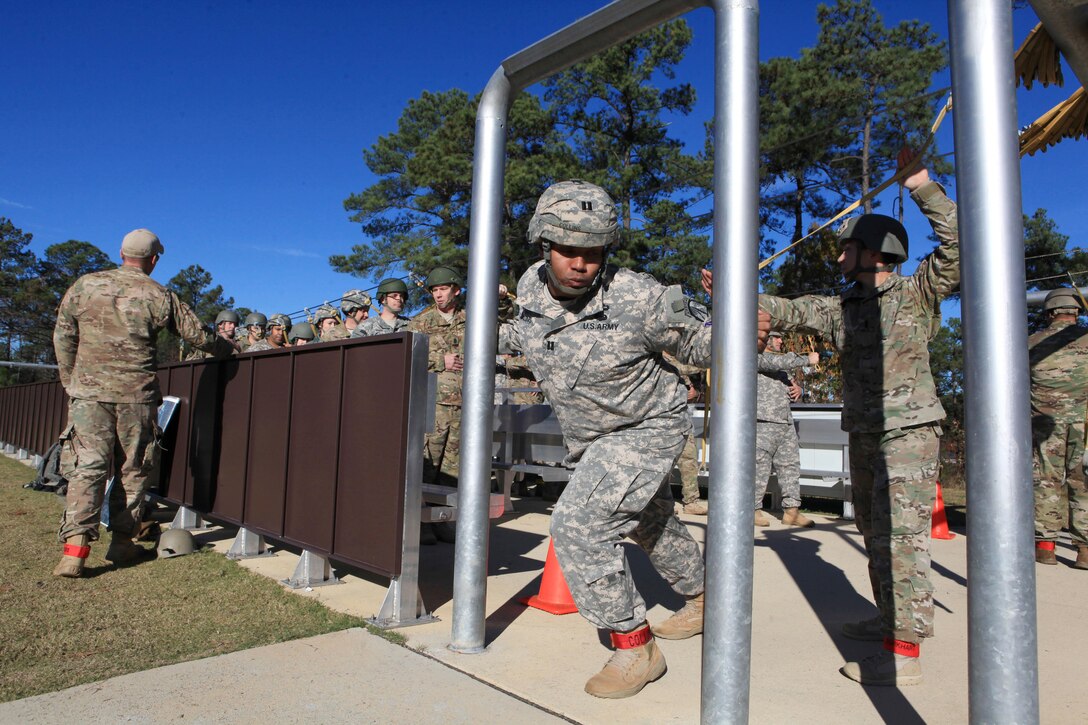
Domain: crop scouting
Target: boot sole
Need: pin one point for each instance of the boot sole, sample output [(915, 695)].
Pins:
[(655, 674)]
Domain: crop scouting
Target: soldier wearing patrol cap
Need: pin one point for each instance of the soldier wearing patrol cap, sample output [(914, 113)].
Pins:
[(275, 335), (255, 325), (393, 295), (1058, 357), (593, 336), (882, 324), (107, 326), (356, 307)]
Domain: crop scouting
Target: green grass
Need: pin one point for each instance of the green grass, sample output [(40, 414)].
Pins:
[(58, 632)]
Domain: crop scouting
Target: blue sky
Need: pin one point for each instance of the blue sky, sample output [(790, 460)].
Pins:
[(235, 129)]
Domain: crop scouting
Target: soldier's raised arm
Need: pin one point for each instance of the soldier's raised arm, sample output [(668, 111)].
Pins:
[(187, 325)]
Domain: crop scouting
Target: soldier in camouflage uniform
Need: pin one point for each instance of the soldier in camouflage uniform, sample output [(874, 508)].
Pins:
[(107, 325), (393, 295), (882, 325), (688, 464), (1059, 401), (776, 438), (593, 335), (356, 307), (302, 333), (275, 336), (226, 325), (255, 324), (329, 327)]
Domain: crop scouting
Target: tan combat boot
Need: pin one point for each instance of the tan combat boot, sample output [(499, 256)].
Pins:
[(1082, 557), (698, 507), (688, 622), (761, 518), (124, 551), (794, 517), (75, 556), (887, 668), (1044, 553), (636, 662)]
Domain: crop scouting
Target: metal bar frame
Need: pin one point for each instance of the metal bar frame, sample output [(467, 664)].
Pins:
[(1002, 637)]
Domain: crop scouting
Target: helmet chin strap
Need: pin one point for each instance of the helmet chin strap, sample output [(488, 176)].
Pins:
[(554, 282)]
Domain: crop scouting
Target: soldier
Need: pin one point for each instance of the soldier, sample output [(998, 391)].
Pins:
[(776, 438), (593, 335), (393, 295), (226, 326), (275, 334), (255, 324), (688, 463), (107, 325), (882, 325), (302, 333), (1059, 401), (356, 306), (329, 327)]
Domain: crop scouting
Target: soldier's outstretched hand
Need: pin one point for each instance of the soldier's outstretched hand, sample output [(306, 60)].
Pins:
[(707, 280), (908, 158)]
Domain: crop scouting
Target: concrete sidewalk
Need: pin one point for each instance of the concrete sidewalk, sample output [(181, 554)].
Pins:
[(807, 583)]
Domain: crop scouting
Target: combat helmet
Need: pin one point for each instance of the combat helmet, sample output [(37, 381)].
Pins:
[(324, 312), (228, 316), (354, 299), (176, 542), (877, 233), (301, 331), (256, 318), (443, 275), (280, 320), (1062, 299), (574, 213), (391, 285)]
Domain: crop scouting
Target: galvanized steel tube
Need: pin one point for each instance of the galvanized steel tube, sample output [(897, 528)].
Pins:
[(1002, 655), (727, 637)]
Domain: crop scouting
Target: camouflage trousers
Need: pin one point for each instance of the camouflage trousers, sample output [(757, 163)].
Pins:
[(776, 445), (442, 448), (688, 463), (620, 488), (1059, 446), (101, 440), (893, 478)]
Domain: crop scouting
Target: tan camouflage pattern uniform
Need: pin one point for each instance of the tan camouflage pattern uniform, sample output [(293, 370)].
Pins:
[(776, 438), (104, 339), (891, 410), (336, 332), (377, 326), (624, 417), (442, 448), (1058, 357)]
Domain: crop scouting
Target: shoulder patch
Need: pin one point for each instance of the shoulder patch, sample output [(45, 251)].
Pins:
[(682, 310)]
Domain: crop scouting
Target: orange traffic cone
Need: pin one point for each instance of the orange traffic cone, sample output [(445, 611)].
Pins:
[(554, 596), (940, 518)]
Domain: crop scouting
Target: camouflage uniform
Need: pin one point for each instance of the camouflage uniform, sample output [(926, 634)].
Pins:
[(262, 344), (891, 410), (688, 463), (377, 326), (624, 418), (1059, 397), (104, 339), (776, 438), (336, 332), (441, 458)]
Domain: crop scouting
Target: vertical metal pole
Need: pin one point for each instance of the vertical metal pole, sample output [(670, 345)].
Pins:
[(1002, 655), (470, 557), (727, 639)]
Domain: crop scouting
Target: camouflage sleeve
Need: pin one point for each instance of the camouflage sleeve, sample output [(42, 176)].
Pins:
[(66, 337), (811, 315), (938, 274), (436, 358), (678, 325), (768, 362), (509, 338), (187, 325)]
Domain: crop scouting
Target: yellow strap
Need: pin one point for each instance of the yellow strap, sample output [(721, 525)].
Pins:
[(902, 174)]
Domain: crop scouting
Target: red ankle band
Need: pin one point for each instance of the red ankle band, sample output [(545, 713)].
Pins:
[(899, 647), (1045, 545), (80, 551), (630, 640)]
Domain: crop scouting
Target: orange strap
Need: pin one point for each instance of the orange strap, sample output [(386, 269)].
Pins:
[(80, 551), (899, 647), (630, 640)]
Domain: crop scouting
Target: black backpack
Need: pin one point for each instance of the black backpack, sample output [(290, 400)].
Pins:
[(49, 475)]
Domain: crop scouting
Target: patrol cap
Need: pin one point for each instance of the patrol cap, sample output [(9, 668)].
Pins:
[(575, 213), (140, 244), (1062, 298), (354, 299), (443, 275), (391, 285), (877, 233)]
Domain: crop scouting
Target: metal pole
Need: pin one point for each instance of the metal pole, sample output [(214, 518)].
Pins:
[(474, 477), (42, 366), (727, 637), (1002, 645)]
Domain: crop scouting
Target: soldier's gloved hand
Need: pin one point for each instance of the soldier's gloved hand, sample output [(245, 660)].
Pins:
[(763, 327)]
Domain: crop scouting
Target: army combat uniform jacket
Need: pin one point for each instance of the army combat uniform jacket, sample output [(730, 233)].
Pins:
[(1058, 357), (377, 326), (772, 397), (447, 336)]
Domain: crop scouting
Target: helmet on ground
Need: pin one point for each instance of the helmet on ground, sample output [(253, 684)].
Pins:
[(354, 299), (443, 275), (575, 213), (301, 331), (391, 285), (256, 318), (281, 320), (228, 316), (324, 312), (1062, 298), (176, 542), (877, 233)]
